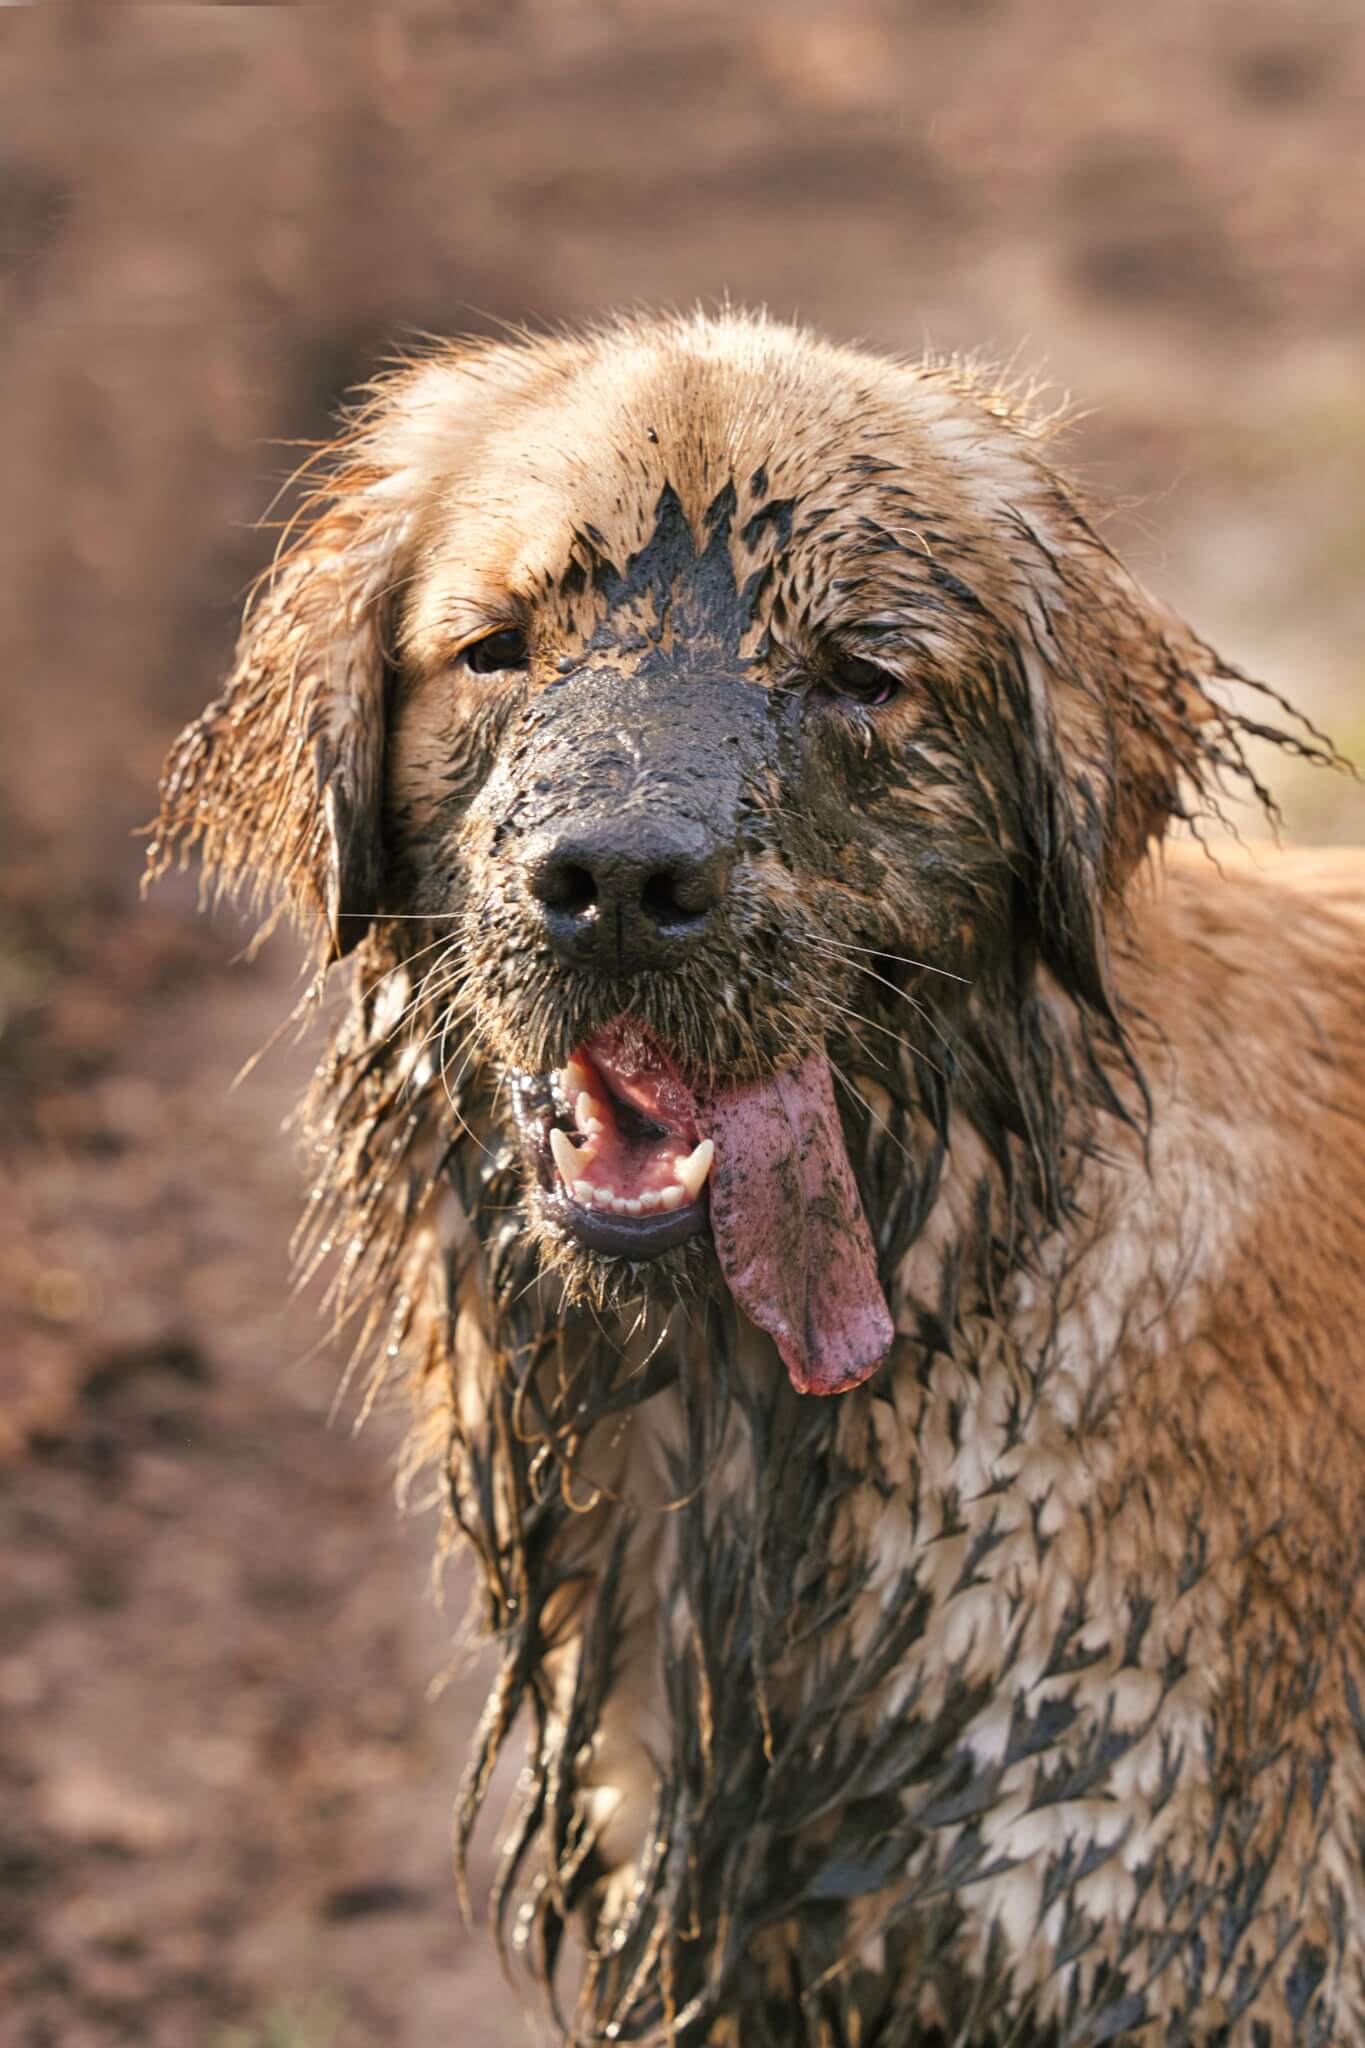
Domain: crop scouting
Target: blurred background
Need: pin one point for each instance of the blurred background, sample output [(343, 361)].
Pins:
[(230, 1722)]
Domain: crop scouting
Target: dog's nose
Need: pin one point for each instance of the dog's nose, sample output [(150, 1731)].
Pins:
[(623, 897)]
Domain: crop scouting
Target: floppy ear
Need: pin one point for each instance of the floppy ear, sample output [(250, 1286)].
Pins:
[(1118, 736), (278, 784)]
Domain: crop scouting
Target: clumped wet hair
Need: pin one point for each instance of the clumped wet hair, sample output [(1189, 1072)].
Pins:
[(803, 1871)]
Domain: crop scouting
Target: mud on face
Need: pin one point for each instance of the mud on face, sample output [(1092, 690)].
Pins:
[(694, 863), (716, 726)]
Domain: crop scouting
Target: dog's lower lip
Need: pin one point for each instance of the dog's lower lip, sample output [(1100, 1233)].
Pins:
[(630, 1237)]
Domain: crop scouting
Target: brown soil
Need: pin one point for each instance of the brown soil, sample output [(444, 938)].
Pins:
[(225, 1768)]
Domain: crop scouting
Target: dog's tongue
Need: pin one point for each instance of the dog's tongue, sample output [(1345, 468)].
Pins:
[(789, 1228)]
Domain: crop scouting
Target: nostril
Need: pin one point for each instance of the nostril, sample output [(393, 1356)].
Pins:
[(576, 889), (671, 897), (567, 886), (621, 897)]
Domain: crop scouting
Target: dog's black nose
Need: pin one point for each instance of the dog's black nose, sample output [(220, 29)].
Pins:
[(627, 895)]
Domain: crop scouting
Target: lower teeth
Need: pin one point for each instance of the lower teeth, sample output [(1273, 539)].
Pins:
[(591, 1197), (571, 1086)]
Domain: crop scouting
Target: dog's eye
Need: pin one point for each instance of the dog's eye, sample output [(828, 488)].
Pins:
[(504, 649), (848, 675)]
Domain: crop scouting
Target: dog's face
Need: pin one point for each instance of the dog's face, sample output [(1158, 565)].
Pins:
[(719, 711)]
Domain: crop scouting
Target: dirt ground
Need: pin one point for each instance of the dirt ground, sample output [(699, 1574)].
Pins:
[(226, 1752)]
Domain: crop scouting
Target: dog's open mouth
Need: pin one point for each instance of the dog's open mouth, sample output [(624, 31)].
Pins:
[(630, 1162), (618, 1146)]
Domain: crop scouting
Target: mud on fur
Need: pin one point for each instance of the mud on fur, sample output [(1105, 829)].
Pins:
[(760, 734)]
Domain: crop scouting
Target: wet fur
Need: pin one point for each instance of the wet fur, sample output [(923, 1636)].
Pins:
[(1016, 1696)]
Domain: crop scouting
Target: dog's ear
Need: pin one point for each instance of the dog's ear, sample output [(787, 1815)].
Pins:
[(1119, 735), (277, 785)]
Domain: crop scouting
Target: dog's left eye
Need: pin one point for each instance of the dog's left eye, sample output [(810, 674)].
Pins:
[(504, 649), (848, 675)]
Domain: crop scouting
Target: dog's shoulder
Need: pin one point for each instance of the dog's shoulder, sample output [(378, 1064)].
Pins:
[(1255, 953), (1249, 886), (1246, 970)]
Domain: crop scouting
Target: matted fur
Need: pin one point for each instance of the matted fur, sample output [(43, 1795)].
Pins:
[(1016, 1695)]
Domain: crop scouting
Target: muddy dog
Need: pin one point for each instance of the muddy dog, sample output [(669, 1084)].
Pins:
[(737, 772)]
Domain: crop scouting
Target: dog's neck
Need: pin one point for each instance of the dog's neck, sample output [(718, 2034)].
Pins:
[(628, 1476)]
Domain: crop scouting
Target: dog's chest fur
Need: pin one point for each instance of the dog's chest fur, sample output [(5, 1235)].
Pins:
[(1027, 1686), (1015, 1696)]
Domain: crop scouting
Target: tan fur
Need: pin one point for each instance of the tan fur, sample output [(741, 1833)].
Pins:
[(1140, 1396)]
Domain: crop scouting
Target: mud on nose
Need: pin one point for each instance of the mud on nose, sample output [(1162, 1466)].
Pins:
[(626, 896)]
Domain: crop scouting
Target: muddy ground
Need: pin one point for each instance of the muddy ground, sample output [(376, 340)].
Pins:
[(230, 1711)]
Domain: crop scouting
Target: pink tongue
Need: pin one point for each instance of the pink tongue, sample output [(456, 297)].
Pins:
[(789, 1229)]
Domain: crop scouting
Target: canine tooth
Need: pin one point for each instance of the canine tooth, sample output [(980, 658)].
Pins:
[(594, 1126), (693, 1170), (650, 1199), (583, 1190), (672, 1198), (567, 1157)]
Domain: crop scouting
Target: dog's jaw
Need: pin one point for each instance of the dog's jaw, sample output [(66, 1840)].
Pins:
[(786, 1222)]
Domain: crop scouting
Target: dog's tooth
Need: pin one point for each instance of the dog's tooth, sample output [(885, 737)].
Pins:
[(650, 1199), (672, 1198), (589, 1112), (575, 1080), (584, 1191), (568, 1158), (693, 1170)]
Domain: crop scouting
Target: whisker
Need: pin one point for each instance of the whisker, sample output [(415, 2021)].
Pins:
[(419, 1001), (863, 1103), (832, 1014), (920, 1009), (456, 1111), (401, 916), (816, 999), (418, 993), (439, 1029), (925, 966), (829, 1004)]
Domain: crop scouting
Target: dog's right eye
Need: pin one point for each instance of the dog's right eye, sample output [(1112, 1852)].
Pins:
[(504, 649), (862, 681)]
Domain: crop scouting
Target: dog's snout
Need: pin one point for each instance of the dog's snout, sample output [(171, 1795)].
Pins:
[(624, 898)]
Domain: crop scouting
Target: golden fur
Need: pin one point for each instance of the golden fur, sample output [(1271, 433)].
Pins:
[(1016, 1694)]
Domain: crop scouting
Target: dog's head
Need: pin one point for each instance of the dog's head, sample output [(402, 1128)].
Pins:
[(696, 701)]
